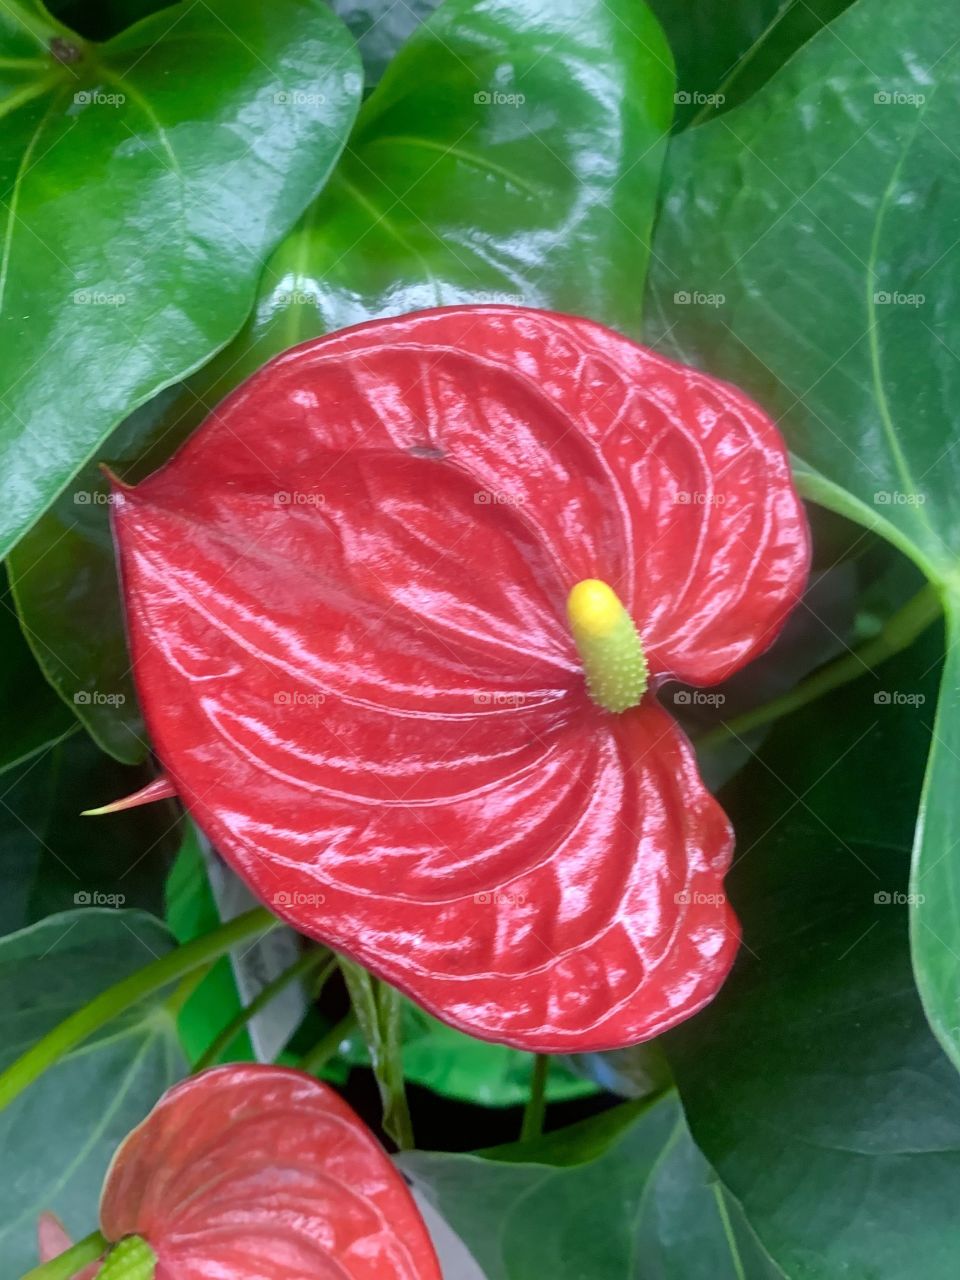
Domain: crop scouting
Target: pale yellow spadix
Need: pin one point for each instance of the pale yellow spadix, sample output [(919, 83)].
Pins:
[(608, 644)]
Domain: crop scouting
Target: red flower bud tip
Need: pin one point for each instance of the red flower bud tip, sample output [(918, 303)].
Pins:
[(608, 644)]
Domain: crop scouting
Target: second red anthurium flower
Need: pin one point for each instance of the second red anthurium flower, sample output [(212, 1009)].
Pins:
[(398, 613)]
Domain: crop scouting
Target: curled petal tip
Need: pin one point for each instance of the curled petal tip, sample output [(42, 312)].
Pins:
[(160, 789)]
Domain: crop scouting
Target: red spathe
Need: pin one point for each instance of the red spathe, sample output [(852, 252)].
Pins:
[(346, 600)]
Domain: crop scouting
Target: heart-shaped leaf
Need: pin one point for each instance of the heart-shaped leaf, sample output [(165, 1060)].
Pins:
[(813, 1084), (59, 1136), (592, 1200), (789, 259), (143, 181)]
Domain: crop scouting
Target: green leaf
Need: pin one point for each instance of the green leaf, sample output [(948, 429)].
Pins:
[(59, 1136), (726, 49), (31, 715), (799, 212), (377, 1006), (644, 1203), (511, 153), (459, 1066), (143, 181), (812, 1083), (53, 859)]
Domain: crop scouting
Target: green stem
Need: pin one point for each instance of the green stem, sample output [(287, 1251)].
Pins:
[(126, 993), (75, 1259), (308, 961), (327, 1045), (898, 634), (536, 1108)]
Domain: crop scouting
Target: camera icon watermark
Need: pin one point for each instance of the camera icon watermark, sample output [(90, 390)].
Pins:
[(94, 898)]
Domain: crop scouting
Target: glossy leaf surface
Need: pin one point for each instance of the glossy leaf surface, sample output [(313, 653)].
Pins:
[(141, 193), (59, 1136), (800, 211), (642, 1204), (263, 1173), (351, 646), (814, 1084)]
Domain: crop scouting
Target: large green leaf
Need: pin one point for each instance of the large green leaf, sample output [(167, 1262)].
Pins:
[(143, 181), (647, 1207), (813, 1083), (441, 198), (726, 49), (58, 1137), (808, 250)]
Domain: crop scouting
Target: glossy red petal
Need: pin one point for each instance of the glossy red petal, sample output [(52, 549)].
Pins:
[(346, 599), (263, 1173)]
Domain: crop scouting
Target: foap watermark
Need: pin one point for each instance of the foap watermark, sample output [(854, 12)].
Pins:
[(94, 898), (697, 298), (687, 98), (500, 898), (298, 498), (698, 698), (897, 498), (98, 298), (898, 698), (896, 98), (500, 299), (499, 699), (494, 98), (97, 698), (97, 498), (294, 898), (895, 298), (694, 898), (306, 297), (298, 698), (97, 98), (297, 98), (897, 898), (698, 498), (498, 498)]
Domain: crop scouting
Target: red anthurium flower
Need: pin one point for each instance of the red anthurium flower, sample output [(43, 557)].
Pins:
[(262, 1173), (398, 613)]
